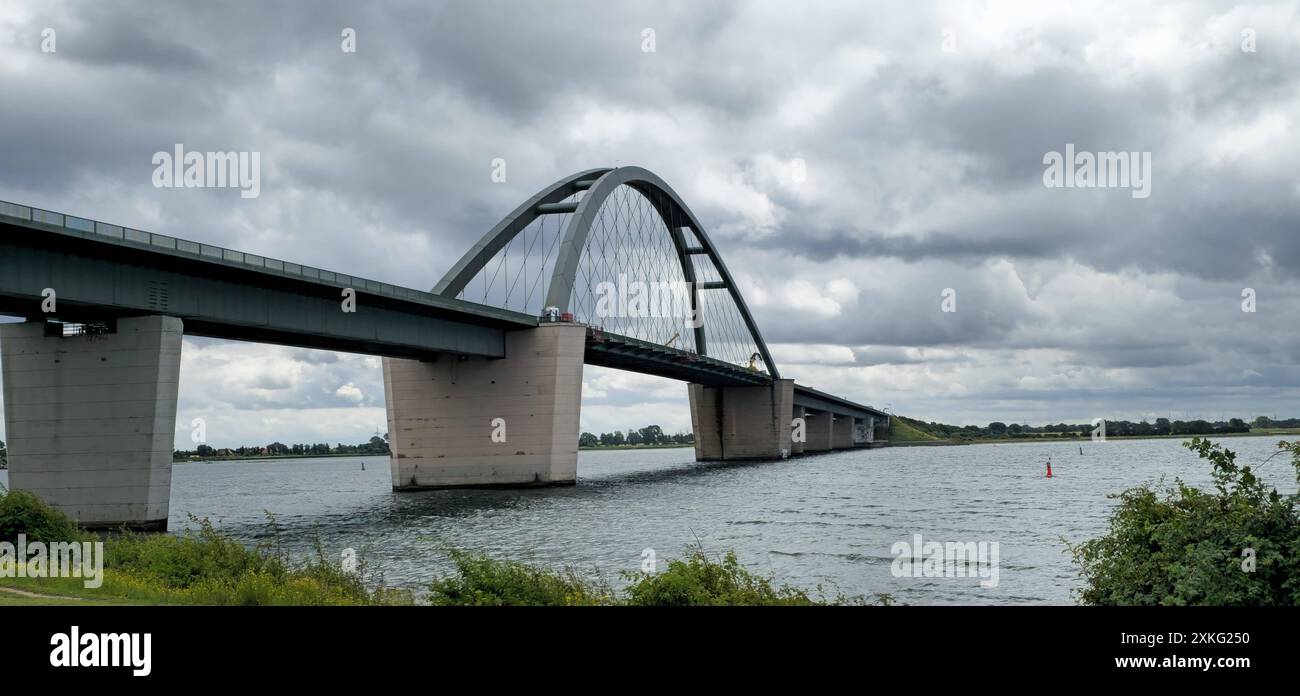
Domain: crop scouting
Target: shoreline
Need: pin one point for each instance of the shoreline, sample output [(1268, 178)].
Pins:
[(938, 442), (235, 458)]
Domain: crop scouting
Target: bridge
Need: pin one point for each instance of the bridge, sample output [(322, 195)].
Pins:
[(482, 375)]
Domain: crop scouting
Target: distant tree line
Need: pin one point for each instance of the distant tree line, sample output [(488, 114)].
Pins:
[(1262, 422), (1114, 428), (375, 446), (649, 435)]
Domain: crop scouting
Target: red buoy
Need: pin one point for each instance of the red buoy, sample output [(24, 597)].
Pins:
[(1049, 468)]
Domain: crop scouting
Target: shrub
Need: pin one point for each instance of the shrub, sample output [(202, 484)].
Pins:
[(1236, 545), (484, 581), (179, 562), (697, 580), (24, 513), (199, 566)]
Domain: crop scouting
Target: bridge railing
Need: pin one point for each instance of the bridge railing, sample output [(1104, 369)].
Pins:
[(126, 236)]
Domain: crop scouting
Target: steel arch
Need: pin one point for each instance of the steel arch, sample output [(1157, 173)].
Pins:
[(600, 184), (499, 236)]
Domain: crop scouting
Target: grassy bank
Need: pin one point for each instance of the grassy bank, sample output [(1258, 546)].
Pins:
[(902, 431), (204, 566), (200, 566)]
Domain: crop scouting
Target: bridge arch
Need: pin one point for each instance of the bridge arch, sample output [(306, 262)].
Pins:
[(581, 206)]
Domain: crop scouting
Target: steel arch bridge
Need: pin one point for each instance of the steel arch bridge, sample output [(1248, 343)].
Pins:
[(620, 251), (605, 267)]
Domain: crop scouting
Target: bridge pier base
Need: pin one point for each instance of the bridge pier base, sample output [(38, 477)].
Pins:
[(90, 420), (480, 422), (796, 446), (864, 433), (844, 432), (819, 429), (751, 422)]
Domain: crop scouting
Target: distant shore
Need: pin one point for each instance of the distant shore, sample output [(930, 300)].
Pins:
[(245, 458), (249, 457), (1264, 432), (938, 442)]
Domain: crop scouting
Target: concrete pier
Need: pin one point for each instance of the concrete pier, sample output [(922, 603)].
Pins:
[(843, 435), (821, 428), (476, 421), (91, 419), (796, 446), (864, 431), (750, 422)]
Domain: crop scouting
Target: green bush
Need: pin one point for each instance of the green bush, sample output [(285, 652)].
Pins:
[(484, 581), (196, 556), (199, 566), (695, 580), (1236, 545), (204, 566), (24, 513)]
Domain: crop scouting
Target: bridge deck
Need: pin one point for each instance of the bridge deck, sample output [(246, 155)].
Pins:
[(99, 270)]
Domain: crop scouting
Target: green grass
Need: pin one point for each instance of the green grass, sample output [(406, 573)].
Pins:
[(19, 600), (204, 566), (902, 431), (199, 566), (693, 580)]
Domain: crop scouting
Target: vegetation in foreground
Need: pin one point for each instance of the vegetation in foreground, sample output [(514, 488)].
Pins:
[(694, 580), (199, 566), (1236, 545), (205, 566)]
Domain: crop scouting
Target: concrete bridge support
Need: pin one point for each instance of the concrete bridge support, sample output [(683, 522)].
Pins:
[(820, 429), (864, 432), (750, 422), (90, 420), (796, 446), (477, 422), (842, 437)]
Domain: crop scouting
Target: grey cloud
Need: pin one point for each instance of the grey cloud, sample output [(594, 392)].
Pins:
[(376, 164)]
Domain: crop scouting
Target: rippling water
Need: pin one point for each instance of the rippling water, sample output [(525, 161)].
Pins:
[(827, 519)]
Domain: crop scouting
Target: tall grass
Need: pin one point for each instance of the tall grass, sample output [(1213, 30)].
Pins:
[(696, 579), (205, 566), (199, 566)]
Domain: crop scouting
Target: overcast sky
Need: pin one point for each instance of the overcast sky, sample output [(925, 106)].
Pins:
[(921, 131)]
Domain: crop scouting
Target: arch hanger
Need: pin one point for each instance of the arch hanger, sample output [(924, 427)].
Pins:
[(581, 197)]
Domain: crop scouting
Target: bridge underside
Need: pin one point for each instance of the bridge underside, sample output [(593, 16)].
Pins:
[(624, 353)]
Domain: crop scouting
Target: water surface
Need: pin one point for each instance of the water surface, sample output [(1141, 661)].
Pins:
[(828, 519)]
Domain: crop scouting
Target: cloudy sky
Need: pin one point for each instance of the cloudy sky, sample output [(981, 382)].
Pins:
[(920, 133)]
